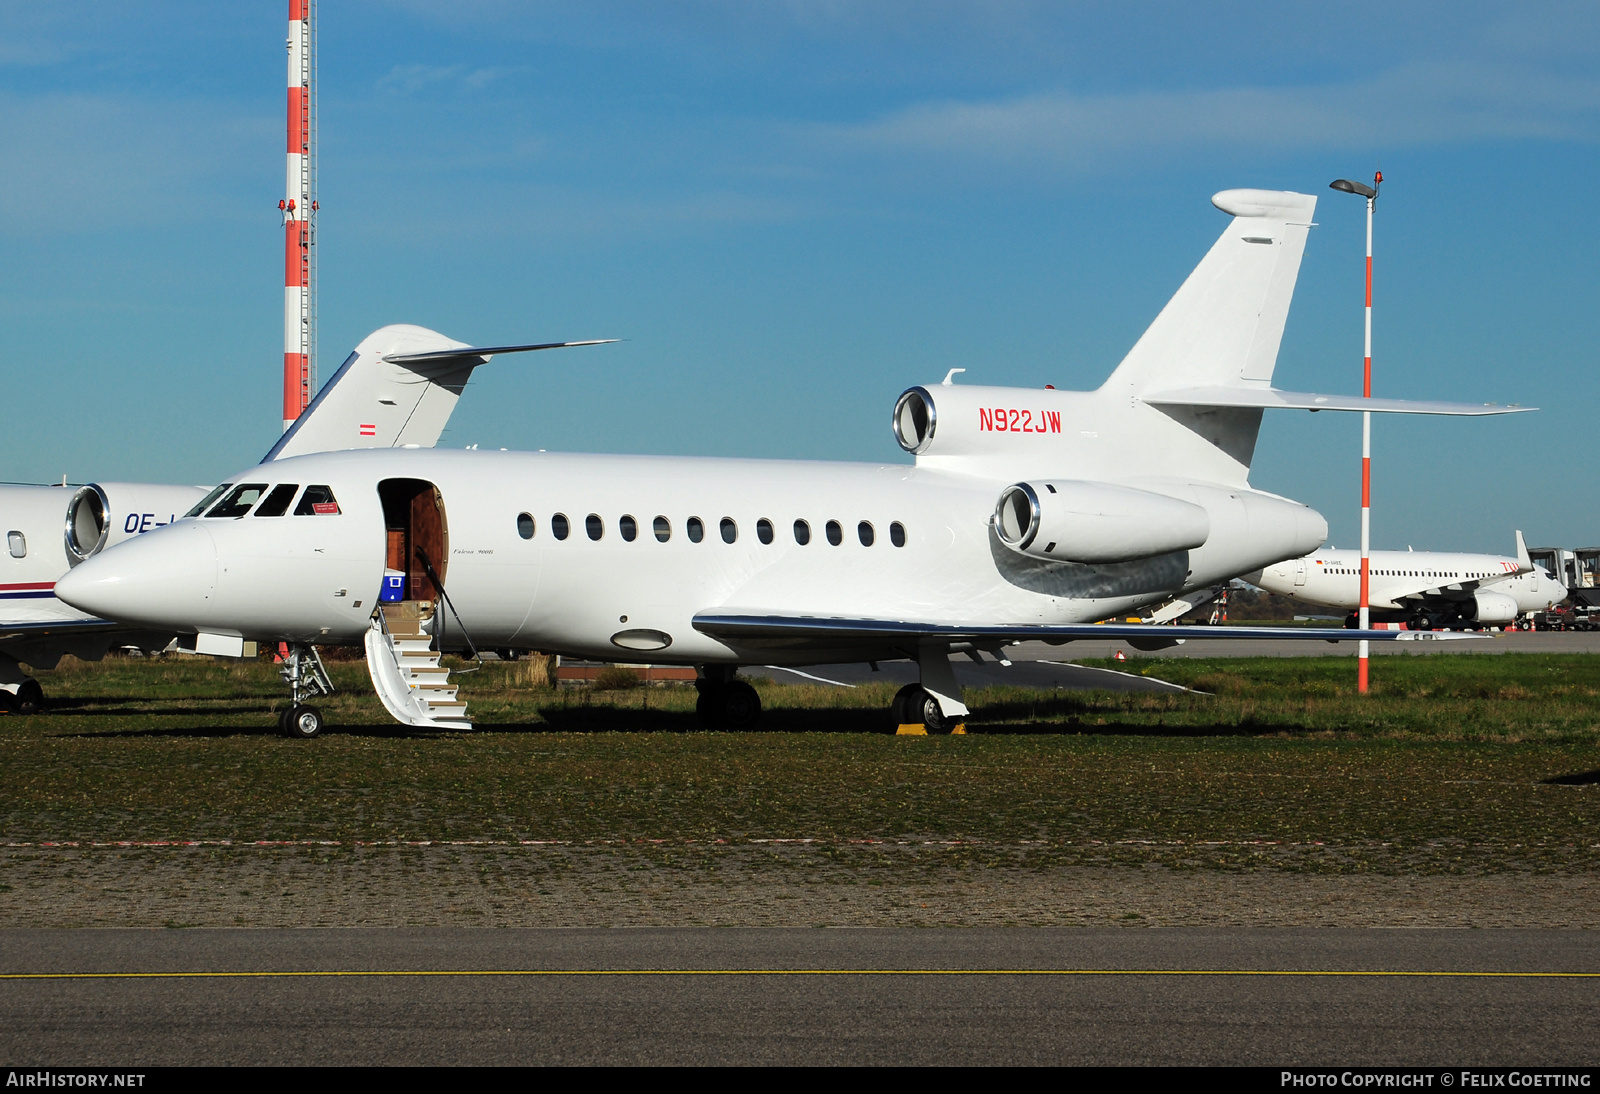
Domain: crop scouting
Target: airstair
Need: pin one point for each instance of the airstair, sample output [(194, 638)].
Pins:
[(406, 673)]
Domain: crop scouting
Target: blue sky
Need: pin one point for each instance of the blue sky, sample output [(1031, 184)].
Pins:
[(793, 211)]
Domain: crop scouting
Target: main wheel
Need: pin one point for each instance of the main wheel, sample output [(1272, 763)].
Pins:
[(8, 702), (906, 707), (30, 697), (303, 722), (933, 717), (741, 706), (733, 705)]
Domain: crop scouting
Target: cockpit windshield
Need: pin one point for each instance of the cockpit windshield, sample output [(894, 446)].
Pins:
[(277, 502), (206, 501), (317, 501), (238, 503)]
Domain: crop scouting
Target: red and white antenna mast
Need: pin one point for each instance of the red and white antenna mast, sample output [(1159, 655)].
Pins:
[(299, 208)]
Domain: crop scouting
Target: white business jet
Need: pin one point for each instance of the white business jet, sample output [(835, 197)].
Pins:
[(390, 392), (1028, 514), (1423, 589)]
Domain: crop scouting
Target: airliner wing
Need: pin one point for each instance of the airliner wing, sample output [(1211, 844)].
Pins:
[(794, 632), (1270, 398)]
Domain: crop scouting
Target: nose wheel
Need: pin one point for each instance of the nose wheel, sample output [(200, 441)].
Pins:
[(303, 671), (302, 722)]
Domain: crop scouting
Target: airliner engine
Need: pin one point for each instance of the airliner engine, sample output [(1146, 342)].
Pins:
[(102, 515), (1070, 521), (1493, 607)]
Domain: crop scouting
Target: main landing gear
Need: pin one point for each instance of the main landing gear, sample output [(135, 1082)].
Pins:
[(933, 705), (303, 671), (726, 702), (19, 692), (27, 699), (914, 708)]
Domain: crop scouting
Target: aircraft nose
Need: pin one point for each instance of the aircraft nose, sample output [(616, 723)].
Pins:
[(164, 578)]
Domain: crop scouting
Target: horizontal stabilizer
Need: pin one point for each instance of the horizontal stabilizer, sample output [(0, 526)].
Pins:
[(468, 352), (1270, 398), (789, 632)]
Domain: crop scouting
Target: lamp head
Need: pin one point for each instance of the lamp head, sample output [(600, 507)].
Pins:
[(1351, 187)]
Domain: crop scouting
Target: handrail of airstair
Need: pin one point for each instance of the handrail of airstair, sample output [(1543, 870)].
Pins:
[(437, 584)]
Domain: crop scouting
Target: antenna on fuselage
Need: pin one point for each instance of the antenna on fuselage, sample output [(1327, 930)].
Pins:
[(949, 376)]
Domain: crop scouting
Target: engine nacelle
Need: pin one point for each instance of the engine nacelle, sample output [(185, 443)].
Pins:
[(1066, 520), (102, 515), (1493, 607)]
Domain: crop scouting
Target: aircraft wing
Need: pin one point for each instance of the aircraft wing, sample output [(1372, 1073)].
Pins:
[(794, 632), (31, 630), (1270, 398)]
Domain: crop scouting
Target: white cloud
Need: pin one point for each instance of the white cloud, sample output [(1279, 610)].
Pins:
[(1418, 105)]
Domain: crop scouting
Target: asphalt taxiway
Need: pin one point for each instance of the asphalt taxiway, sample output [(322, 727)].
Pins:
[(128, 998)]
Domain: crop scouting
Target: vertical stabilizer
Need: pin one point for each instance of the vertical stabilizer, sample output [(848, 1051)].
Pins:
[(1224, 324)]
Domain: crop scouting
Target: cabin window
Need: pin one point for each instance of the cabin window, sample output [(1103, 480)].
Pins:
[(802, 532), (835, 533), (206, 501), (897, 534), (628, 527), (317, 501), (559, 526), (18, 544), (865, 533), (697, 530), (525, 525), (663, 528), (238, 503), (277, 502), (764, 530), (730, 530), (593, 525)]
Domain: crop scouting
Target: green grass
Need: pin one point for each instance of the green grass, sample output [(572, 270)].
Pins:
[(1442, 769)]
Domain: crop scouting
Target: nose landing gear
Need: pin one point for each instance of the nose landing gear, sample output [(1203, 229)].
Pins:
[(306, 676)]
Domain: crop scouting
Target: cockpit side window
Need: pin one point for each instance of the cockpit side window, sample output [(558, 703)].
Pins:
[(277, 502), (317, 501), (205, 502), (238, 503)]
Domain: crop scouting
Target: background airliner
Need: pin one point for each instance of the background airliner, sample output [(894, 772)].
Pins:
[(1423, 589), (1028, 514), (398, 388)]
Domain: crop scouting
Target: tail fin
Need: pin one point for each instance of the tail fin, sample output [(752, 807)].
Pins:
[(399, 387), (1224, 324)]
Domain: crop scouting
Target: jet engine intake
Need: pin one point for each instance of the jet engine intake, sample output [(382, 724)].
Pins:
[(1493, 607), (1065, 520), (102, 515)]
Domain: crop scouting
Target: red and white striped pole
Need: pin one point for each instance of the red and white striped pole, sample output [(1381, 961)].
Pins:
[(1364, 619), (297, 206)]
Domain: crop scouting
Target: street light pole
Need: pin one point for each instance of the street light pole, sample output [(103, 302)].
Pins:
[(1364, 619)]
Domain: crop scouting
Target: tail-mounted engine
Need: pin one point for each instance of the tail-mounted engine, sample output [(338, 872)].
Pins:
[(1065, 520), (102, 515)]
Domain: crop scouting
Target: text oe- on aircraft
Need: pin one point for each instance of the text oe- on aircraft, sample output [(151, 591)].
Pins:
[(1027, 515), (397, 389)]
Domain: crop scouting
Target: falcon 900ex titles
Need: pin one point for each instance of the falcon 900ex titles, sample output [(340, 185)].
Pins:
[(1135, 493)]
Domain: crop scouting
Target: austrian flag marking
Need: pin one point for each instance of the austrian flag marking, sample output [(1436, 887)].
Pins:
[(369, 430), (1006, 420)]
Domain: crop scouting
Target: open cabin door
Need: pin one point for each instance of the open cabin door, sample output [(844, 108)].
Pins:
[(415, 525)]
